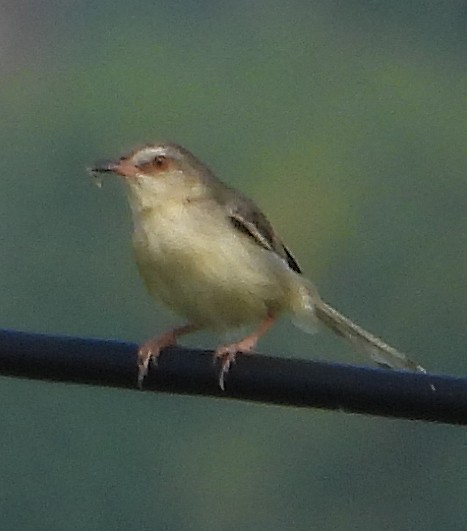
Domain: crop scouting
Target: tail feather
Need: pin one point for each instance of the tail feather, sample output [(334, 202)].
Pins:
[(377, 349)]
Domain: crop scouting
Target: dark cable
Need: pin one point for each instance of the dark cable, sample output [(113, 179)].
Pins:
[(258, 378)]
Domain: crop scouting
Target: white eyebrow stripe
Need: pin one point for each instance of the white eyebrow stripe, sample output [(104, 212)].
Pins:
[(148, 153)]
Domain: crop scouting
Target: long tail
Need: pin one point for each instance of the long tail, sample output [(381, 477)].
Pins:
[(378, 350)]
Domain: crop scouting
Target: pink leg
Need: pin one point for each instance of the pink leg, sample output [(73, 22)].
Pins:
[(150, 350), (227, 353)]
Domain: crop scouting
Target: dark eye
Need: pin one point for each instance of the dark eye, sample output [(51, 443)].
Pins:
[(159, 162), (153, 164)]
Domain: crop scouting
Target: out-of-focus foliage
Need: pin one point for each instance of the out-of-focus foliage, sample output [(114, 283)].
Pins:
[(346, 121)]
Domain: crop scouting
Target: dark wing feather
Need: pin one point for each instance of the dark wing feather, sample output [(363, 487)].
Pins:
[(252, 222), (291, 261)]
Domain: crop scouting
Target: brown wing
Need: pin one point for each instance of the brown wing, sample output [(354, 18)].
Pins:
[(252, 222)]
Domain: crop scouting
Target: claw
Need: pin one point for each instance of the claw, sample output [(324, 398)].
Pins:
[(227, 356), (146, 356)]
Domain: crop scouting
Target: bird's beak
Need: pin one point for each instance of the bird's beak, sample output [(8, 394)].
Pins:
[(103, 166), (122, 167)]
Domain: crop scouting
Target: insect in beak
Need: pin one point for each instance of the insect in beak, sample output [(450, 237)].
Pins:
[(123, 167)]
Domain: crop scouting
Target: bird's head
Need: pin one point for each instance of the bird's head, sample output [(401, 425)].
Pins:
[(158, 172)]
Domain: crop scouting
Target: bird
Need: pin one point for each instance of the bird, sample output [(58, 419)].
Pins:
[(207, 252)]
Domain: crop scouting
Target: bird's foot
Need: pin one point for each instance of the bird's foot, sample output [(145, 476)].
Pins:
[(149, 352), (227, 354)]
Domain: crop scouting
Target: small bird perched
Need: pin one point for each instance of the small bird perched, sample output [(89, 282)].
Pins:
[(211, 255)]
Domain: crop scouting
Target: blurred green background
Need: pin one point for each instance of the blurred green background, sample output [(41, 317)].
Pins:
[(346, 121)]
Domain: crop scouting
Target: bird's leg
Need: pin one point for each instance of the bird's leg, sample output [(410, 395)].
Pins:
[(226, 353), (150, 350)]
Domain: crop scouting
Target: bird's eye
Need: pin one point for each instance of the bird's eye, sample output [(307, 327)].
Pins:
[(152, 164), (159, 162)]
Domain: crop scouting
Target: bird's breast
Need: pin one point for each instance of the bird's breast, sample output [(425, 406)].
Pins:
[(198, 264)]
